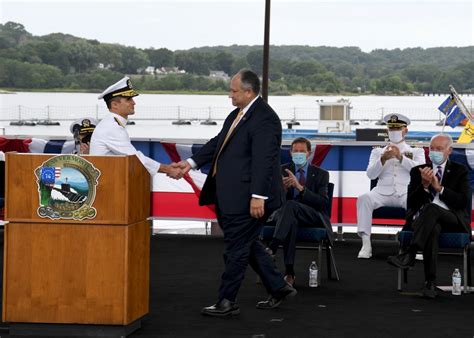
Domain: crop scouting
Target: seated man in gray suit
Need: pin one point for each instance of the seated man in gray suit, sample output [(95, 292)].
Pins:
[(307, 203)]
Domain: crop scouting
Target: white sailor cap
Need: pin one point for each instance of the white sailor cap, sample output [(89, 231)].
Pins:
[(122, 88), (396, 120), (84, 125)]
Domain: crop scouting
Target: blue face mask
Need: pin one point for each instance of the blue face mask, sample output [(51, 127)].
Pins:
[(437, 157), (299, 159)]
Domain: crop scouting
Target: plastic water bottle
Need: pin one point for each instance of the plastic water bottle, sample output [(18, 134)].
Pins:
[(313, 275), (456, 282)]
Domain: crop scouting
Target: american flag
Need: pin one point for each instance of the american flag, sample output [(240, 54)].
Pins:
[(170, 198)]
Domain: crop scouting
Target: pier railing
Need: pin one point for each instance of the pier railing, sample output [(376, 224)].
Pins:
[(211, 113)]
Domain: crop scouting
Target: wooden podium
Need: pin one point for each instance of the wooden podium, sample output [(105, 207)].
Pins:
[(68, 272)]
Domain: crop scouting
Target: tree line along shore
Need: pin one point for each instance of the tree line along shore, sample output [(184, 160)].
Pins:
[(62, 62)]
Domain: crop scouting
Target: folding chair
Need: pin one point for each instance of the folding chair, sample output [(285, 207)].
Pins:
[(316, 235), (457, 240)]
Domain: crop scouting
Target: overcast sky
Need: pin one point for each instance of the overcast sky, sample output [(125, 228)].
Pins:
[(179, 24)]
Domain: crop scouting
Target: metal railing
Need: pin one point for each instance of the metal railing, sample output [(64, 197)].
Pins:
[(211, 113)]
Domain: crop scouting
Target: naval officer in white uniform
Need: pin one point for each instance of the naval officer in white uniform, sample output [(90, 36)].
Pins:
[(82, 130), (110, 136), (391, 165)]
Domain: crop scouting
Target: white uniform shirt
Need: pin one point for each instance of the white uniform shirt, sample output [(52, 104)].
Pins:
[(111, 138), (394, 175)]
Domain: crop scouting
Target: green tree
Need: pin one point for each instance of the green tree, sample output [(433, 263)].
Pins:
[(162, 57), (16, 74), (13, 34), (296, 68), (255, 61), (305, 68), (223, 61), (110, 56), (238, 64), (193, 62), (82, 56), (467, 71), (132, 60)]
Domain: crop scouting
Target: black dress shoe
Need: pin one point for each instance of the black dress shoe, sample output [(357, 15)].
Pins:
[(403, 260), (429, 290), (275, 300), (222, 308)]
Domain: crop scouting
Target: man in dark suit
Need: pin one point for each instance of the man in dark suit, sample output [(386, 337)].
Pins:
[(437, 202), (244, 183), (306, 206)]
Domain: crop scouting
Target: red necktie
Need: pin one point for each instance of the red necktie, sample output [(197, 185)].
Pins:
[(302, 179)]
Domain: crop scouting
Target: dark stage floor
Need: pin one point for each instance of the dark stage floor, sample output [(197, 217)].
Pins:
[(185, 272)]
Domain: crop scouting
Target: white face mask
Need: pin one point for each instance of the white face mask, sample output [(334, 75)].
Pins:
[(395, 136)]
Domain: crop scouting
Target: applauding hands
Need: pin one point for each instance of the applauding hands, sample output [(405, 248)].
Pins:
[(391, 152), (291, 181), (428, 178)]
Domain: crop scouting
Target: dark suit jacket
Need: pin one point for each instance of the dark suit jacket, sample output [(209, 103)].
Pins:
[(315, 194), (456, 192), (248, 164)]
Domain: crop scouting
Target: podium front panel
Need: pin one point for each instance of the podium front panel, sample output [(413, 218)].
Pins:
[(121, 190), (72, 273)]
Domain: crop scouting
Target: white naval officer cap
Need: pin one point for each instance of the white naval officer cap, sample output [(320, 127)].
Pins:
[(122, 88), (396, 120), (84, 125)]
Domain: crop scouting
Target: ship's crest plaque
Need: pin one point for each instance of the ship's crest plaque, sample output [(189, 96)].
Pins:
[(67, 187)]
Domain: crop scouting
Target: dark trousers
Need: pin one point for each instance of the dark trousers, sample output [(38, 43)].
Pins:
[(242, 247), (288, 218), (426, 230)]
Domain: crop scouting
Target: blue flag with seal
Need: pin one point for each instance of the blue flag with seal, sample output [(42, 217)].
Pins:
[(454, 115), (47, 175)]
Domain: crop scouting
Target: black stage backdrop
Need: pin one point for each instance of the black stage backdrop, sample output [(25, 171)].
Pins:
[(185, 272)]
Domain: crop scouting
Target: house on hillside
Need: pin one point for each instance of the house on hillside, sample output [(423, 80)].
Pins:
[(149, 70), (219, 75), (107, 66), (169, 70)]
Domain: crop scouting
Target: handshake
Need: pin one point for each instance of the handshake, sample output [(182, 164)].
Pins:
[(176, 170)]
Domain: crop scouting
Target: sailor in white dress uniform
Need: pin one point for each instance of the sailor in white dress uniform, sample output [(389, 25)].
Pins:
[(82, 130), (110, 136), (391, 165)]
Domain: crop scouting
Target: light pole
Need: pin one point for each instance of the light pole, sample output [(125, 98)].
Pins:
[(266, 51)]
